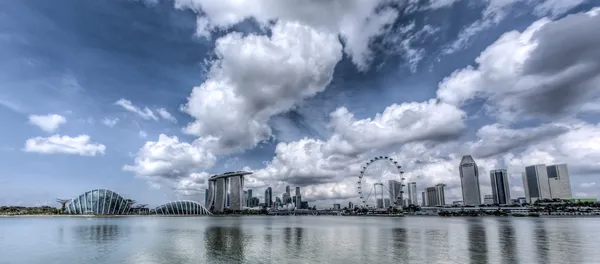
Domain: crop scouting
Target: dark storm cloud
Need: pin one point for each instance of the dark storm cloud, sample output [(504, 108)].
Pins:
[(568, 52)]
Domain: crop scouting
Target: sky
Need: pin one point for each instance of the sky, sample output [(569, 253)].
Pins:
[(148, 98)]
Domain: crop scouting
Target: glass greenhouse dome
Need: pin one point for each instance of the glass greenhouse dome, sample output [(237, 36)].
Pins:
[(181, 208), (99, 202)]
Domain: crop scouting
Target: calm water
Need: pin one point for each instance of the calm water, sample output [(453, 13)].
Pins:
[(310, 239)]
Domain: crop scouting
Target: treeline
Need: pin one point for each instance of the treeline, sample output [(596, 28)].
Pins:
[(22, 210)]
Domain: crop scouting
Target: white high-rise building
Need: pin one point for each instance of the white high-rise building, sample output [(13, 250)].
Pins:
[(469, 181), (559, 181), (441, 195), (412, 193), (535, 183)]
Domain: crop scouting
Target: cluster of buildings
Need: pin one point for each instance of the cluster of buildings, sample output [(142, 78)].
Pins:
[(539, 182), (226, 191)]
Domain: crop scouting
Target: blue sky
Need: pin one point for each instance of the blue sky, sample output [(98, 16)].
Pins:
[(302, 94)]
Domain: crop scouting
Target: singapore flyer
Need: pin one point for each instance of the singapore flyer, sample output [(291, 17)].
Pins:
[(380, 177)]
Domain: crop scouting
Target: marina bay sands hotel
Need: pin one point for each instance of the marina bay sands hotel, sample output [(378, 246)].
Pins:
[(218, 185)]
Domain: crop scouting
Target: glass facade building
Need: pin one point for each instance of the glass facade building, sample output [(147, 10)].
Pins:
[(99, 202), (181, 208)]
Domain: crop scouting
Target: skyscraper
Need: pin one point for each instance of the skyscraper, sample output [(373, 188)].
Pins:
[(432, 199), (469, 181), (249, 198), (287, 190), (441, 195), (500, 187), (298, 198), (559, 180), (269, 197), (412, 193), (535, 183), (423, 199), (395, 192)]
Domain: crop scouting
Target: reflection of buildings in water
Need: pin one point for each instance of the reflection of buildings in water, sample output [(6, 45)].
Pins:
[(478, 252), (541, 242), (98, 234), (437, 245), (568, 246), (399, 243), (298, 239), (224, 244), (508, 241), (287, 236)]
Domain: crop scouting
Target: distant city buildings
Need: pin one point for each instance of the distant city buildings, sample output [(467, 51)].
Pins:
[(435, 196), (500, 187), (546, 182), (226, 190), (469, 181), (337, 206), (298, 201), (488, 199), (423, 199)]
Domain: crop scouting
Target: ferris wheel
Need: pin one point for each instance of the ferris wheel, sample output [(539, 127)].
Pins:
[(372, 184)]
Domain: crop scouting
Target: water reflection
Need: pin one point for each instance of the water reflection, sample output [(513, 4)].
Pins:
[(478, 252), (400, 243), (541, 242), (98, 234), (224, 244), (507, 240)]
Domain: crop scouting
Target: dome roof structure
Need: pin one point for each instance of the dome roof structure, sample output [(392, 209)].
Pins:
[(99, 202), (182, 207)]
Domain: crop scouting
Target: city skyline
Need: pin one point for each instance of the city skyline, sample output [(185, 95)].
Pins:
[(149, 99)]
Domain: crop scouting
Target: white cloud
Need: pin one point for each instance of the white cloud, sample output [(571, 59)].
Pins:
[(169, 158), (48, 123), (550, 69), (257, 77), (497, 10), (357, 21), (110, 122), (144, 113), (79, 145), (166, 115)]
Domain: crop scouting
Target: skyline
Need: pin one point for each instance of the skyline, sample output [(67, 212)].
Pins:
[(149, 100)]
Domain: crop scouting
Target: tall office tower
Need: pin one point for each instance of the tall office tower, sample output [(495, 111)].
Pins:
[(559, 180), (249, 198), (423, 199), (412, 193), (386, 203), (395, 192), (535, 183), (277, 203), (236, 192), (350, 205), (379, 202), (432, 199), (441, 195), (500, 187), (298, 198), (268, 197), (469, 181), (287, 190), (211, 195)]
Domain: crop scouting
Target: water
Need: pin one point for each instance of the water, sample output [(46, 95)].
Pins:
[(288, 239)]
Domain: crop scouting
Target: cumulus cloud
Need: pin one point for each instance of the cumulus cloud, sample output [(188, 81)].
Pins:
[(79, 145), (48, 123), (257, 77), (356, 21), (310, 161), (169, 158), (497, 139), (550, 69)]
